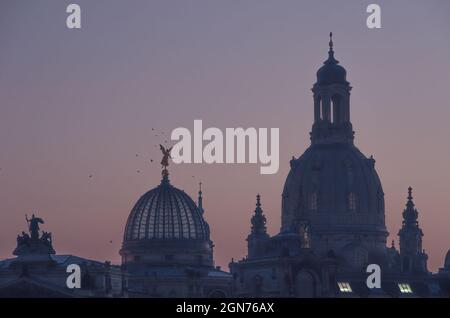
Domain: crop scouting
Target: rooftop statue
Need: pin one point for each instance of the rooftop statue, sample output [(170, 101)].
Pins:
[(33, 226), (166, 156), (33, 242)]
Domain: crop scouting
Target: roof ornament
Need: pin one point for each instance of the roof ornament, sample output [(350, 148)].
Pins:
[(331, 59), (331, 42), (410, 202), (258, 201), (165, 161), (410, 214), (200, 199), (34, 242), (258, 220), (33, 226), (410, 197)]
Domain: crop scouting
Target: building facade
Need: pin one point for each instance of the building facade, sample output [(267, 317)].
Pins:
[(167, 250), (333, 219), (37, 272), (333, 228)]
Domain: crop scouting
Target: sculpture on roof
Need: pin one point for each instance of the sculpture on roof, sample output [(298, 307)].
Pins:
[(34, 242)]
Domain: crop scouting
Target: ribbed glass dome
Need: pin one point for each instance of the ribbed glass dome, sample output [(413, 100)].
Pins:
[(166, 213)]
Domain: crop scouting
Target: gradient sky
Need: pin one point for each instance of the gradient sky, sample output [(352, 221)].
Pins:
[(75, 103)]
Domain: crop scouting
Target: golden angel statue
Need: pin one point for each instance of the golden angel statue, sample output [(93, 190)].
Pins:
[(166, 156)]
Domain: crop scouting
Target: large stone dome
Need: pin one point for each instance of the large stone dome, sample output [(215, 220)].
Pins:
[(337, 189), (332, 188)]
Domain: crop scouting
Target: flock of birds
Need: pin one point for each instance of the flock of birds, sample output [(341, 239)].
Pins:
[(161, 134)]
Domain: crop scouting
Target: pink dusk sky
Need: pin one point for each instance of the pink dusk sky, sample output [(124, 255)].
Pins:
[(81, 103)]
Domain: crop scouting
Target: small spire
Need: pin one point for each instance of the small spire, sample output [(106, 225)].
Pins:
[(165, 176), (331, 59), (258, 220), (410, 214), (410, 203), (331, 42), (200, 198)]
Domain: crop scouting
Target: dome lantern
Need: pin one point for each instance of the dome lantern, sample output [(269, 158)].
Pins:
[(332, 103)]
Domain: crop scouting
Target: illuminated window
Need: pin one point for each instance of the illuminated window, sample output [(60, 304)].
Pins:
[(405, 288), (352, 201), (345, 287), (313, 201)]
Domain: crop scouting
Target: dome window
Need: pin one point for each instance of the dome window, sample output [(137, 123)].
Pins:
[(405, 288), (344, 287), (352, 201), (312, 201)]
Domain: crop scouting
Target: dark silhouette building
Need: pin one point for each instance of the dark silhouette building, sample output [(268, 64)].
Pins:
[(333, 218), (167, 250), (37, 272), (333, 227)]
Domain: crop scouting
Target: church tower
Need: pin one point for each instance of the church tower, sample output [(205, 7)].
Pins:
[(333, 188), (331, 103), (413, 257)]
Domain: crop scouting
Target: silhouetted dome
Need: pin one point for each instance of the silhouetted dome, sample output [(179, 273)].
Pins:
[(166, 228), (331, 72), (329, 174), (336, 190), (166, 213)]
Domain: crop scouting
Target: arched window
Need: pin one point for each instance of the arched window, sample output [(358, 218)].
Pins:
[(312, 201), (352, 204), (322, 110), (305, 285), (336, 109)]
